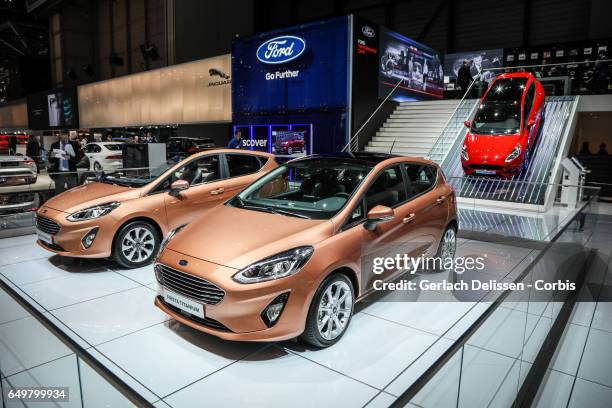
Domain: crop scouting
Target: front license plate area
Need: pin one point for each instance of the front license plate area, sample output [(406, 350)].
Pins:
[(43, 236), (488, 172), (184, 303)]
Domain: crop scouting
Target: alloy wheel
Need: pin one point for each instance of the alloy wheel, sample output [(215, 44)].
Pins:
[(335, 309), (449, 244), (138, 245)]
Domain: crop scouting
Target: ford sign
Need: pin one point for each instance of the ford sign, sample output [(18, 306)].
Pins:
[(281, 49)]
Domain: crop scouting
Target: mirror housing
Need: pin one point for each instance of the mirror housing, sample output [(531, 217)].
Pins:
[(530, 124), (378, 214), (467, 124), (178, 186)]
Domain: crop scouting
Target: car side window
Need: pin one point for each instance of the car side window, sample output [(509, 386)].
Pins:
[(199, 171), (421, 178), (242, 164), (388, 189)]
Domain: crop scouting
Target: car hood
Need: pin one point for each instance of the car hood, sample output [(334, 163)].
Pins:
[(490, 148), (236, 237), (89, 195)]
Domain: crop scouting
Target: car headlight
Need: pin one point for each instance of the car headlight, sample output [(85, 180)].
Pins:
[(169, 237), (93, 212), (464, 153), (516, 152), (275, 267)]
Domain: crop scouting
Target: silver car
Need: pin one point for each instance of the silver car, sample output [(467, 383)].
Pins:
[(17, 168)]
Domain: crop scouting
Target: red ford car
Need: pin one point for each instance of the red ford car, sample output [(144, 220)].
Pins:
[(290, 146), (503, 133)]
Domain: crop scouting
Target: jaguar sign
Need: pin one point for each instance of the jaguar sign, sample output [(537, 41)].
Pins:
[(280, 50)]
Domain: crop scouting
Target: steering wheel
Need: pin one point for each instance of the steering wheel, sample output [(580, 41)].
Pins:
[(342, 194)]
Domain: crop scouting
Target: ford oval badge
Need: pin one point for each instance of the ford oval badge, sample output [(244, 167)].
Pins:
[(279, 50), (183, 262)]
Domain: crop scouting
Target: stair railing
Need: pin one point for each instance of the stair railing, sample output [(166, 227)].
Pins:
[(353, 143), (444, 137)]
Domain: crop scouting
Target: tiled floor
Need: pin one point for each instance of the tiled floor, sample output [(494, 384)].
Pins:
[(580, 374), (388, 345)]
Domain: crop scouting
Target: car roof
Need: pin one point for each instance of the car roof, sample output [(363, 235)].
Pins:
[(368, 158), (516, 75), (237, 151)]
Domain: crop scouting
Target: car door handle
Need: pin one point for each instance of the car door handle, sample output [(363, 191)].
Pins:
[(440, 199), (409, 218), (217, 191)]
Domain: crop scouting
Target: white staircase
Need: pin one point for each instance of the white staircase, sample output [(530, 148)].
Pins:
[(414, 126)]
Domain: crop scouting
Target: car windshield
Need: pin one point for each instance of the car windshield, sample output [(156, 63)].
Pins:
[(497, 118), (140, 177), (113, 146), (506, 89), (316, 188)]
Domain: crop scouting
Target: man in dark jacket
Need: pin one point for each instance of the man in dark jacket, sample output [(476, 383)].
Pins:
[(62, 160), (12, 146), (33, 151), (464, 77)]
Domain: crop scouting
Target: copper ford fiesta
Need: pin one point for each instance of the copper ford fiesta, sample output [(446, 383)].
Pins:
[(283, 258), (127, 217)]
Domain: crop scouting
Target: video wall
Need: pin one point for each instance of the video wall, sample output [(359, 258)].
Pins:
[(53, 109), (476, 62), (417, 67), (291, 87)]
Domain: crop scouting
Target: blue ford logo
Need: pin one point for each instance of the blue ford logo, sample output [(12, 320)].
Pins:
[(281, 49), (183, 262)]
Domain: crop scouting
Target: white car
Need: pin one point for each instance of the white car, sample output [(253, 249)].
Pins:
[(104, 156)]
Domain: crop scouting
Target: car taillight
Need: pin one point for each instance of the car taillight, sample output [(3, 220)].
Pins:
[(114, 157), (28, 162)]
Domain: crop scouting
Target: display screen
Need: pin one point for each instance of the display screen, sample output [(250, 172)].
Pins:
[(417, 66), (476, 62), (296, 70), (291, 140), (53, 110)]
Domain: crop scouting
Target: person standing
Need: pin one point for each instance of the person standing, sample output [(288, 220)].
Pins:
[(464, 76), (236, 142), (425, 74), (33, 151), (12, 146), (63, 159)]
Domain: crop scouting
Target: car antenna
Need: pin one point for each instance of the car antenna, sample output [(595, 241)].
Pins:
[(392, 145)]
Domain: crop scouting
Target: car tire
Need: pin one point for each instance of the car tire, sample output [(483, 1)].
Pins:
[(136, 244), (97, 167), (448, 243), (290, 150), (334, 300)]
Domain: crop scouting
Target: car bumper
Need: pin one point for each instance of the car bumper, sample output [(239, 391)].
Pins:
[(504, 170), (238, 315), (68, 241)]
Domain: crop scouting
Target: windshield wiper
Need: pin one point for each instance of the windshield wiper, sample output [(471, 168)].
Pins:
[(272, 210)]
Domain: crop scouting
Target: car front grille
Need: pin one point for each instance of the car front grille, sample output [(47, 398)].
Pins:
[(47, 225), (188, 285), (206, 321)]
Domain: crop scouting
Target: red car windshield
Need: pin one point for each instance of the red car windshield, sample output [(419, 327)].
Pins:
[(497, 118)]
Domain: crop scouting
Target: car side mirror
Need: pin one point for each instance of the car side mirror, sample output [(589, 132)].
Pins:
[(378, 214), (178, 186), (531, 124), (467, 124)]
